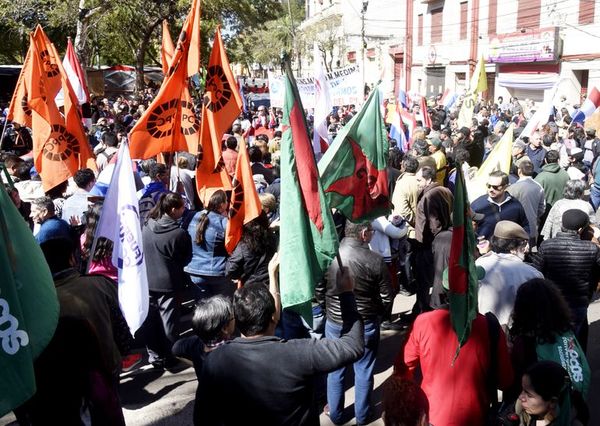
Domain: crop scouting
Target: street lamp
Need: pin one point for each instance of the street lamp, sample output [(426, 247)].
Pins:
[(363, 12)]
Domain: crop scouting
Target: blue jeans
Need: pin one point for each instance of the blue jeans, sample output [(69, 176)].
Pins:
[(594, 197), (363, 376), (204, 286)]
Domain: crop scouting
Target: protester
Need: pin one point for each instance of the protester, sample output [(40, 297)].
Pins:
[(209, 257), (77, 204), (283, 391), (404, 403), (168, 249), (50, 226), (373, 297), (552, 178), (574, 265), (572, 199)]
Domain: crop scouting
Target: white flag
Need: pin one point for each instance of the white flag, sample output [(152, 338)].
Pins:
[(120, 222), (322, 103)]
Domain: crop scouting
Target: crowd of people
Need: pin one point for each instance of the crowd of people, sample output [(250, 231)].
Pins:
[(537, 261)]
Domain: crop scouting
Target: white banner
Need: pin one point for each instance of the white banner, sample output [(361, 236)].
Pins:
[(344, 88)]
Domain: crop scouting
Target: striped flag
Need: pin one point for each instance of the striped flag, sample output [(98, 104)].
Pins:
[(590, 105), (120, 223), (397, 130), (322, 105)]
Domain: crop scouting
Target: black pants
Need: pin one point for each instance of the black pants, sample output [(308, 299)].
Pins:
[(422, 263), (161, 328)]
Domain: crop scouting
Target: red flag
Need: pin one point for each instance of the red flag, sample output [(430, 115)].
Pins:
[(425, 113), (245, 204), (75, 73)]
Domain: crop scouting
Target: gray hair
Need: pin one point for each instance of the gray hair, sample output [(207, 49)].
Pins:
[(353, 230), (44, 203), (574, 189), (210, 317)]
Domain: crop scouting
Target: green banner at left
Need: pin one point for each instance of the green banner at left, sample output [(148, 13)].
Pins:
[(28, 306)]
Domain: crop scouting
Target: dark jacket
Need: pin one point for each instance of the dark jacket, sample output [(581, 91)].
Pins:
[(573, 264), (371, 282), (260, 169), (553, 179), (510, 209), (167, 248), (249, 266), (434, 206), (270, 381)]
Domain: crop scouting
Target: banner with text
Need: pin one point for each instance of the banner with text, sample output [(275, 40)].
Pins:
[(344, 88)]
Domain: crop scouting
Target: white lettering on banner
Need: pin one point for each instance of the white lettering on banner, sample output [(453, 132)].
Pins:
[(344, 88), (570, 360), (12, 338), (132, 252)]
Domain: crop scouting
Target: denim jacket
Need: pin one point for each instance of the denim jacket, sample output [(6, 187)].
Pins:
[(208, 258)]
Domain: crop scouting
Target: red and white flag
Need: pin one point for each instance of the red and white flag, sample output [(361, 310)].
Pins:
[(322, 105), (75, 75)]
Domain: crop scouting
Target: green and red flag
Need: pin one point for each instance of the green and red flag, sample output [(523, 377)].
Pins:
[(462, 274), (28, 306), (354, 168), (308, 239)]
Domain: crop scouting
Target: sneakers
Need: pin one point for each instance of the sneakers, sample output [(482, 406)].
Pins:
[(388, 325), (129, 362)]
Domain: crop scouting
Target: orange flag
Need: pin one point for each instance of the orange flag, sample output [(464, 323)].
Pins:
[(167, 49), (169, 124), (245, 204), (222, 105), (60, 146), (19, 110)]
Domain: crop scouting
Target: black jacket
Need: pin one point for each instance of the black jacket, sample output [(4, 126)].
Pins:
[(249, 266), (573, 265), (270, 381), (167, 248), (371, 282)]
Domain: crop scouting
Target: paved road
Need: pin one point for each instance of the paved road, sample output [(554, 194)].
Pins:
[(166, 398)]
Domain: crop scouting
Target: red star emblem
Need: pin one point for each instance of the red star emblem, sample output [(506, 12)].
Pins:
[(367, 185)]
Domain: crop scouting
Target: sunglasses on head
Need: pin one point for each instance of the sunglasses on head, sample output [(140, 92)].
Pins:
[(496, 187)]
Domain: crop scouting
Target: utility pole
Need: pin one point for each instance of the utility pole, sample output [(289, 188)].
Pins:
[(365, 4)]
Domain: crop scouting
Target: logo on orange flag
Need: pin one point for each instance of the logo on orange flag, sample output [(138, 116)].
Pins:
[(245, 204), (170, 124), (222, 105), (60, 146)]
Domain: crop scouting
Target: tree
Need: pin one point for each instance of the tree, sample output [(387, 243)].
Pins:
[(328, 35)]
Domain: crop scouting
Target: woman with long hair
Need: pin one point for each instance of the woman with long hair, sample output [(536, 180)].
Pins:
[(207, 267), (168, 249), (249, 262), (540, 330)]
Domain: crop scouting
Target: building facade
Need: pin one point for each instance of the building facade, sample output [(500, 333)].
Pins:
[(530, 46)]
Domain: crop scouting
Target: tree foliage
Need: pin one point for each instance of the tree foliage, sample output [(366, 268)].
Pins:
[(123, 31)]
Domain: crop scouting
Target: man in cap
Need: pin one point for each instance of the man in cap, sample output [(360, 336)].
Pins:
[(498, 205), (505, 270), (574, 266), (518, 152), (435, 151)]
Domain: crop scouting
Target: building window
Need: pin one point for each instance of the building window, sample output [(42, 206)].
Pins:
[(420, 30), (528, 15), (492, 14), (463, 20), (436, 25), (586, 11)]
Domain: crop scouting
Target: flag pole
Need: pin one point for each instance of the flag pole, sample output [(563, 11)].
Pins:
[(3, 130)]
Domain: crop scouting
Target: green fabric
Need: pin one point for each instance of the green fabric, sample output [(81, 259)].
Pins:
[(354, 168), (462, 272), (28, 306), (308, 239), (553, 179), (567, 352)]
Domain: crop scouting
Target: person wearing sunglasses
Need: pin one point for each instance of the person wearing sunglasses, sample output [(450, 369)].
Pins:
[(498, 205)]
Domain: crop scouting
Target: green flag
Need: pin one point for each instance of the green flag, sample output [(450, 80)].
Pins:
[(462, 275), (28, 306), (308, 240), (354, 168)]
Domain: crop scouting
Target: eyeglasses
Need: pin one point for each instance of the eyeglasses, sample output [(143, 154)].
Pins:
[(495, 187)]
